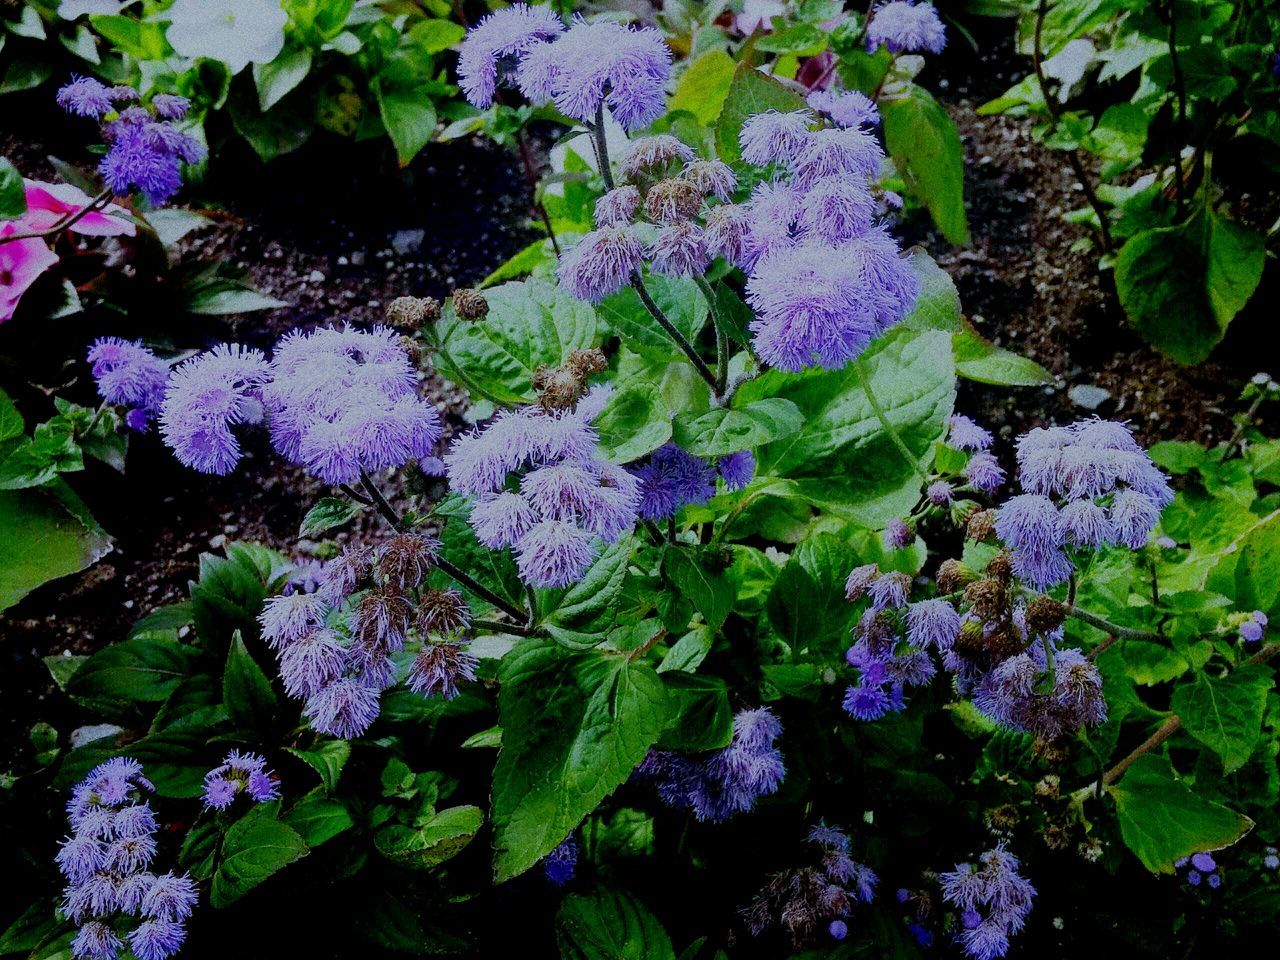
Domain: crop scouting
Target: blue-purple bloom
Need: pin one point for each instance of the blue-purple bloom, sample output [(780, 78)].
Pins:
[(847, 108), (898, 534), (1254, 628), (737, 469), (984, 472), (902, 26), (601, 263), (965, 434), (129, 374), (994, 900), (204, 398), (1011, 693), (85, 97), (672, 478), (489, 53), (239, 773), (438, 668), (561, 864), (773, 137)]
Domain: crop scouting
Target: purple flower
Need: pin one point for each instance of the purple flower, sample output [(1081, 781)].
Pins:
[(713, 178), (679, 250), (618, 207), (96, 941), (847, 108), (898, 534), (129, 374), (156, 939), (501, 36), (1029, 522), (994, 901), (168, 106), (287, 618), (561, 863), (833, 152), (601, 263), (836, 209), (501, 519), (773, 137), (965, 434), (838, 929), (85, 97), (670, 479), (905, 27), (136, 160), (554, 553), (438, 668), (866, 701), (737, 469), (206, 396), (169, 897), (889, 590), (939, 493), (932, 623), (726, 233), (1251, 631), (344, 708), (984, 472), (600, 63), (239, 772), (1083, 523)]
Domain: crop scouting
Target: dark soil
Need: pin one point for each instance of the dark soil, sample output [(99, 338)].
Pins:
[(330, 230)]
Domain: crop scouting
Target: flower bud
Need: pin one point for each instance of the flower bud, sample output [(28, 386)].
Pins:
[(980, 525), (470, 304), (1045, 614), (952, 575), (410, 313), (1000, 568)]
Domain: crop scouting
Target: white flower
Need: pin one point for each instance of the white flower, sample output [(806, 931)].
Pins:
[(237, 32), (72, 9)]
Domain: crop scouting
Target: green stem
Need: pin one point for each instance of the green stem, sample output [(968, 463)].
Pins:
[(722, 336), (380, 503), (865, 382), (637, 281), (601, 145), (1115, 629)]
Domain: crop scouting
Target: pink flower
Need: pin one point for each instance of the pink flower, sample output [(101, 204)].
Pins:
[(759, 14), (47, 203), (20, 263)]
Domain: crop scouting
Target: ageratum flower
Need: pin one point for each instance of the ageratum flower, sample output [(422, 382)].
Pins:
[(600, 63), (737, 469), (847, 108), (672, 478), (964, 434), (561, 863), (205, 397), (493, 46), (1010, 694), (439, 667), (679, 250), (994, 900), (85, 97), (129, 374), (773, 137), (601, 263), (906, 27), (239, 773), (654, 156), (618, 207)]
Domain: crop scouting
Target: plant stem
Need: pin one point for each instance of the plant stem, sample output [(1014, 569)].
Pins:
[(722, 336), (1073, 156), (681, 341), (67, 220), (865, 382), (531, 178), (354, 494), (1123, 633), (496, 627), (380, 502), (602, 147)]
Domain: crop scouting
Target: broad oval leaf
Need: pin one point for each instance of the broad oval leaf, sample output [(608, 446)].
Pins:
[(724, 430)]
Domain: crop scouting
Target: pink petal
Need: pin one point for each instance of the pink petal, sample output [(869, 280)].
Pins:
[(20, 263), (49, 202)]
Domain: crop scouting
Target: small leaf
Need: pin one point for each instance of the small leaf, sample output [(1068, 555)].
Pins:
[(980, 360), (256, 847), (441, 838), (723, 431), (281, 75), (13, 193), (246, 691), (702, 718), (710, 591), (328, 512), (926, 147), (327, 758), (410, 119), (318, 818), (704, 86)]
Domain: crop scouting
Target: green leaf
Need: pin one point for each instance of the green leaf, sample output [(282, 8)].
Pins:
[(1181, 286), (609, 924), (410, 119), (436, 36), (751, 92), (980, 360), (48, 533), (281, 76), (13, 199), (246, 691), (938, 305), (140, 39), (284, 129), (689, 651), (256, 847), (318, 818), (677, 297), (723, 430), (634, 422), (327, 758), (595, 593), (807, 603), (441, 838), (1225, 713), (1163, 820), (219, 299), (25, 73), (710, 591), (701, 716), (530, 323), (704, 86), (574, 726), (328, 512), (926, 148), (133, 671)]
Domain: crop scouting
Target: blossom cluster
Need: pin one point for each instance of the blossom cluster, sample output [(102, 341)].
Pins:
[(340, 402), (336, 646), (561, 864), (130, 375), (671, 478), (543, 488), (903, 26), (581, 70), (106, 864), (1253, 628), (802, 900), (145, 149), (1086, 486), (716, 785), (994, 900), (1200, 868), (238, 773)]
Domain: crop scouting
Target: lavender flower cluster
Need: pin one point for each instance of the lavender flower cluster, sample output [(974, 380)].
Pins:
[(561, 864), (1253, 629), (339, 402), (1086, 486), (145, 150), (671, 478), (903, 26), (802, 900), (1200, 868), (105, 863), (719, 784), (582, 69), (130, 375), (565, 495), (238, 773), (994, 900), (336, 646)]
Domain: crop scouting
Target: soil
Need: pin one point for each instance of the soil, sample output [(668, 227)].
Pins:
[(331, 231)]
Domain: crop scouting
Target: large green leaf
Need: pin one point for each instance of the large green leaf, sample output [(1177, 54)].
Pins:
[(751, 92), (530, 323), (609, 924), (317, 818), (1225, 713), (595, 593), (980, 360), (1163, 820), (807, 604), (1181, 286), (410, 119), (255, 847), (694, 578), (926, 148), (701, 718), (728, 430), (937, 306), (704, 86), (633, 422), (143, 670), (48, 533), (574, 726), (246, 691), (677, 297), (282, 75)]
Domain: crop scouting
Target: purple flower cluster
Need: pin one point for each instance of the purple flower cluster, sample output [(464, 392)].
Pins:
[(893, 640), (105, 863), (145, 151), (1201, 869), (1086, 486), (845, 108), (1254, 628), (1012, 694), (719, 784), (802, 900), (340, 402), (982, 470), (994, 900), (336, 646), (239, 773), (903, 26), (581, 69), (566, 495), (129, 374), (561, 864)]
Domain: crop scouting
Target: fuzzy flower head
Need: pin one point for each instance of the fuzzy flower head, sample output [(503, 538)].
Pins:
[(601, 263), (773, 137), (85, 97), (600, 64), (993, 899), (492, 47), (737, 469), (205, 397), (846, 108), (239, 773), (439, 667), (128, 374), (902, 26), (672, 478)]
